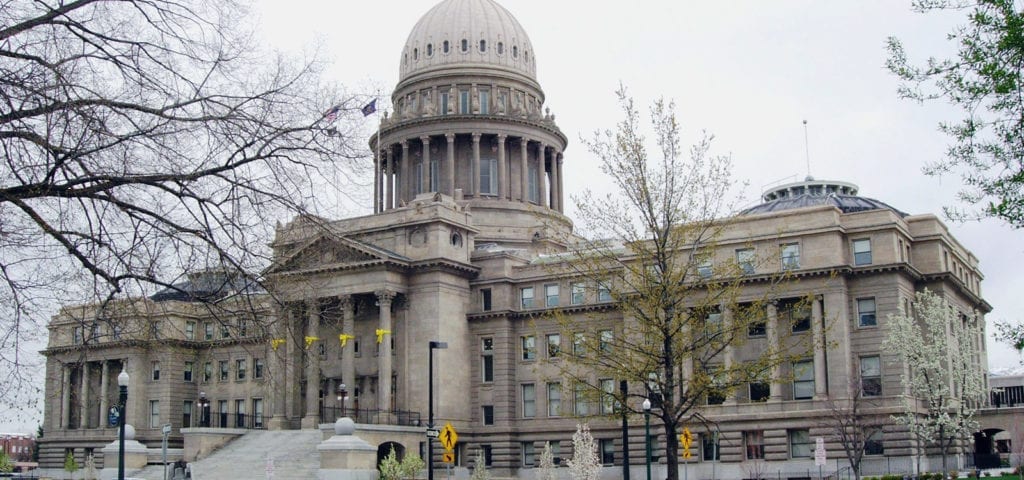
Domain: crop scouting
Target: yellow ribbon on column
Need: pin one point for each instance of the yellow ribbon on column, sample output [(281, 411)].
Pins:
[(381, 333), (276, 342), (310, 340), (344, 338)]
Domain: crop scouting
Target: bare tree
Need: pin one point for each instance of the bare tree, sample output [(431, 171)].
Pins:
[(853, 424), (144, 139)]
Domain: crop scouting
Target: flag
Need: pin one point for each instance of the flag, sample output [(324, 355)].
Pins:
[(370, 108), (331, 115)]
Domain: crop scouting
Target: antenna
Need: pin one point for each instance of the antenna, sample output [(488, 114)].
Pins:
[(807, 149)]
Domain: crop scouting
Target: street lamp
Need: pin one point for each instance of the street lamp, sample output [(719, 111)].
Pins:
[(342, 396), (204, 410), (434, 345), (122, 383), (624, 390), (647, 433)]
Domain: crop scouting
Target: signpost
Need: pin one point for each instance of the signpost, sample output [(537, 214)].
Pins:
[(686, 440), (166, 430), (819, 454), (433, 433)]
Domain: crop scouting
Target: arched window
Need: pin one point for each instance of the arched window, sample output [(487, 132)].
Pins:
[(415, 54), (515, 51), (405, 59), (501, 48), (430, 49), (465, 45), (526, 56), (483, 46), (444, 46)]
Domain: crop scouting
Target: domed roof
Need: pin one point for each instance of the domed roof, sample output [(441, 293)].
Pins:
[(467, 33), (810, 193)]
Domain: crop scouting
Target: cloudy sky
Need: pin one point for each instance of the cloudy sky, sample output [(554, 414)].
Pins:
[(747, 71)]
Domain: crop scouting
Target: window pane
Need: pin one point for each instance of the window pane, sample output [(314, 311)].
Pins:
[(554, 399), (529, 401), (862, 252), (529, 348), (803, 380), (866, 312), (790, 256), (745, 260), (554, 345), (551, 295), (799, 444), (754, 442), (526, 297)]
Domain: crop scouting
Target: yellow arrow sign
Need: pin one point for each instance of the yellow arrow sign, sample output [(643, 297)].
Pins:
[(448, 457), (448, 437)]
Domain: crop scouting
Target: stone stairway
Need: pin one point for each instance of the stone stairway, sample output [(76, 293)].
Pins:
[(245, 458)]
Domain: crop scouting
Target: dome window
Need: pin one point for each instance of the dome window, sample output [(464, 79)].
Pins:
[(515, 51), (415, 54), (526, 56), (483, 46), (430, 49), (465, 45), (501, 48), (405, 59), (444, 46)]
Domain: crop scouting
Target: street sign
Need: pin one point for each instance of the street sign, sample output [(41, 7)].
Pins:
[(819, 452), (686, 440), (166, 430), (433, 432), (448, 437), (114, 416), (448, 457)]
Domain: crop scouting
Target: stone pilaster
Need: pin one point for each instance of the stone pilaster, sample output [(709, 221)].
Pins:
[(376, 181), (348, 353), (555, 192), (772, 331), (65, 397), (104, 392), (818, 331), (408, 174), (83, 401)]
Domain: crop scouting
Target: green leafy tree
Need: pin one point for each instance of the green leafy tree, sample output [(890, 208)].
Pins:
[(941, 346), (983, 79), (6, 465), (70, 464), (393, 469), (653, 251)]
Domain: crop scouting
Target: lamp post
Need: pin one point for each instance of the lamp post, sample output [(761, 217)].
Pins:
[(434, 345), (204, 410), (647, 433), (624, 390), (122, 383), (342, 396)]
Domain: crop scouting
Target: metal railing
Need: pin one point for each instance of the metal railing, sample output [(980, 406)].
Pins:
[(231, 420), (376, 417)]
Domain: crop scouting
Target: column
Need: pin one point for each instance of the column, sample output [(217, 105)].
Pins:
[(376, 180), (561, 191), (730, 351), (541, 176), (384, 298), (407, 174), (841, 371), (389, 179), (502, 173), (104, 392), (449, 166), (311, 419), (524, 171), (818, 331), (278, 369), (475, 171), (83, 402), (348, 354), (65, 400), (425, 174), (772, 333), (555, 192)]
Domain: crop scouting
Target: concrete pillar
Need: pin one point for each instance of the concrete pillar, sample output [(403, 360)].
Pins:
[(541, 175), (83, 401), (502, 173), (389, 179), (311, 419), (278, 369), (818, 331), (561, 183), (555, 192), (425, 177), (449, 166), (104, 392), (524, 171), (384, 298), (376, 180), (346, 456), (65, 399), (408, 173), (348, 353), (729, 355), (476, 165), (772, 331)]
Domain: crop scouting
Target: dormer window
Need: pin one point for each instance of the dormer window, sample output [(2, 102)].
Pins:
[(483, 46), (465, 45)]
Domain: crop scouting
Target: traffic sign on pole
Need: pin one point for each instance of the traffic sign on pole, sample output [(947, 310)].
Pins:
[(686, 440), (448, 437), (819, 452)]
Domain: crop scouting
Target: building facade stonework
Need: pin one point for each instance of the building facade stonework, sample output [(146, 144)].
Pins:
[(468, 210)]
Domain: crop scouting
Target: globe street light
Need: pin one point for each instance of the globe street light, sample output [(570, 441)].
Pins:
[(342, 396), (430, 405), (122, 383), (204, 410), (647, 433)]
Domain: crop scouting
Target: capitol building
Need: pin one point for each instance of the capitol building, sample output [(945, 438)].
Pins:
[(468, 211)]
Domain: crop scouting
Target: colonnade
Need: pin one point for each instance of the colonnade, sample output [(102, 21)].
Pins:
[(397, 181), (87, 417)]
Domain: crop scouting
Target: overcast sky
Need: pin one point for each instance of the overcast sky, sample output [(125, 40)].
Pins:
[(747, 71)]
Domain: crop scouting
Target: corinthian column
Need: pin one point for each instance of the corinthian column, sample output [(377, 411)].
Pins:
[(348, 353), (542, 184), (502, 174), (818, 330), (384, 298), (449, 166), (524, 171), (775, 390), (311, 419), (476, 165), (425, 174), (389, 179)]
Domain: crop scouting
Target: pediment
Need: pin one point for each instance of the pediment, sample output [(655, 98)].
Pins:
[(328, 252)]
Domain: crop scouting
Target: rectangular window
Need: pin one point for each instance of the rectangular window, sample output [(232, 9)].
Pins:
[(529, 400), (485, 101), (208, 331), (223, 371), (529, 347), (434, 182), (188, 371), (758, 326), (715, 396), (580, 403), (866, 312), (486, 451), (713, 324), (554, 399), (607, 448), (797, 312), (759, 391), (803, 380), (705, 267), (154, 414), (556, 452), (240, 369), (464, 102), (77, 335), (578, 293), (606, 340), (225, 332), (190, 330), (753, 443), (790, 256), (156, 371), (745, 260), (222, 409), (862, 252), (186, 414), (115, 331), (154, 330), (485, 299), (578, 345), (799, 444), (873, 445), (607, 396), (487, 359), (240, 413), (554, 345), (257, 368), (526, 297), (533, 187), (488, 176), (871, 376), (551, 295), (257, 413), (529, 454), (207, 372), (604, 292), (488, 414), (710, 448)]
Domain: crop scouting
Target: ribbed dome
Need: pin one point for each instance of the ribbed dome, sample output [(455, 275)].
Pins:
[(811, 192), (467, 33)]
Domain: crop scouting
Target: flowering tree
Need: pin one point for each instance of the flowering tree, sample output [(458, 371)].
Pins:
[(546, 471), (584, 464), (480, 467), (940, 345)]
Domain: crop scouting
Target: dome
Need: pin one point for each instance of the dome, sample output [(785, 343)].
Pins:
[(810, 193), (474, 33)]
